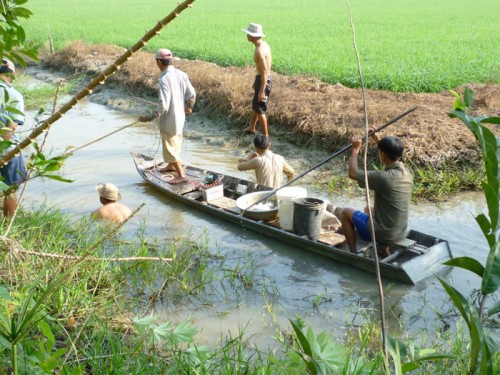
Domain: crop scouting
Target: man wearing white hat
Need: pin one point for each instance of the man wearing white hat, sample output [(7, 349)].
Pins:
[(110, 210), (263, 83), (14, 172), (177, 98)]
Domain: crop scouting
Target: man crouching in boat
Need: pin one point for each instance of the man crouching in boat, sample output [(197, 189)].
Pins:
[(392, 187), (269, 167), (110, 210)]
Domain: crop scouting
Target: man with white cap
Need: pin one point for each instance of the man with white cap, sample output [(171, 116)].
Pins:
[(110, 210), (177, 97), (263, 83), (11, 116)]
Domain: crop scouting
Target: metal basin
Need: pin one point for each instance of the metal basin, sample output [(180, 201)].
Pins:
[(266, 210)]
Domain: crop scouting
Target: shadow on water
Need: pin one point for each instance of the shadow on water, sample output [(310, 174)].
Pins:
[(287, 281)]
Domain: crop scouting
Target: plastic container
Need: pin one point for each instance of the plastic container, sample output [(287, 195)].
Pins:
[(308, 216), (285, 204)]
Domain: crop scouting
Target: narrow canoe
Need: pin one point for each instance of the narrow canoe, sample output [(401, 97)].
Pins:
[(414, 259)]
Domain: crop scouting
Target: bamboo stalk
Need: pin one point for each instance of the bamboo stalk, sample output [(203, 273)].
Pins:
[(99, 80)]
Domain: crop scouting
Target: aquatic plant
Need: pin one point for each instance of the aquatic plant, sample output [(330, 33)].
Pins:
[(483, 343)]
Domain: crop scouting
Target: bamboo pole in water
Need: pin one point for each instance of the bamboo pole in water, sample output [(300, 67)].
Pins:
[(99, 80)]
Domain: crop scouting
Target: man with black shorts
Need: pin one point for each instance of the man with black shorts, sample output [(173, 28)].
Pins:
[(14, 172), (263, 84)]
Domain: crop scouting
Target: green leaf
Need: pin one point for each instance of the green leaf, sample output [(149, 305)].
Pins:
[(458, 300), (467, 263), (495, 309), (491, 120), (491, 278), (162, 332), (57, 178), (45, 328), (184, 332), (468, 97), (306, 348)]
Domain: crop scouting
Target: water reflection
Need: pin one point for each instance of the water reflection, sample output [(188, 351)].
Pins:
[(297, 282)]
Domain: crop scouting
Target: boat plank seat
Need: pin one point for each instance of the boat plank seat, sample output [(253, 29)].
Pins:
[(225, 203), (331, 238)]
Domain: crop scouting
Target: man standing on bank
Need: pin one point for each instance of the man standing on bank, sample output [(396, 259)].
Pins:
[(14, 173), (263, 83), (392, 187), (177, 97)]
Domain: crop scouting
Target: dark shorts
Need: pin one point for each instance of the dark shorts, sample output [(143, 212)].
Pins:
[(261, 107), (361, 222), (14, 172)]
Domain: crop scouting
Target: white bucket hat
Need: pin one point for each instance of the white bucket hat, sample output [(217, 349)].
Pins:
[(255, 30), (109, 192)]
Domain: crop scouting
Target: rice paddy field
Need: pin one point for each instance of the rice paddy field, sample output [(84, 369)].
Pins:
[(404, 45)]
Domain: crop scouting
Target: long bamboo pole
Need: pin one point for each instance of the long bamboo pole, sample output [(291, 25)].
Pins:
[(99, 80)]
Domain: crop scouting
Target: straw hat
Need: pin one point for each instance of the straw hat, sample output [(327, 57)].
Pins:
[(109, 192), (255, 30)]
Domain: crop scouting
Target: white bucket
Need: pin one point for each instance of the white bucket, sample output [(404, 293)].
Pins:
[(285, 204)]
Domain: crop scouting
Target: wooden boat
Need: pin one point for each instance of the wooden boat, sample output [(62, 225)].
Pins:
[(419, 256)]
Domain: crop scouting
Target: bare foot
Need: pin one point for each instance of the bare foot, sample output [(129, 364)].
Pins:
[(177, 180), (248, 130), (383, 251), (166, 169)]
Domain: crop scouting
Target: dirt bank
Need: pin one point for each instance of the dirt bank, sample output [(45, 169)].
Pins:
[(302, 109)]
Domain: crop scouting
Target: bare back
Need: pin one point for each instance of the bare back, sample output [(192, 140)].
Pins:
[(113, 212), (262, 58)]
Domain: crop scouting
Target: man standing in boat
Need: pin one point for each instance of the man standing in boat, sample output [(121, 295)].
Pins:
[(392, 187), (177, 98), (269, 167), (263, 83)]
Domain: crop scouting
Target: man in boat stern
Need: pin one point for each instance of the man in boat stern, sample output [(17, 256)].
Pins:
[(177, 97), (269, 167), (392, 187), (109, 195)]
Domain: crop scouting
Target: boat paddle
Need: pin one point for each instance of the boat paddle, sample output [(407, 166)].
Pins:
[(335, 154)]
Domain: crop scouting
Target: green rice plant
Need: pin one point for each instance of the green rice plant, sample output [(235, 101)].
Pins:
[(404, 46)]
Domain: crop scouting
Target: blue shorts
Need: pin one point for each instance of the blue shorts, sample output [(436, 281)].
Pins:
[(361, 222), (14, 172)]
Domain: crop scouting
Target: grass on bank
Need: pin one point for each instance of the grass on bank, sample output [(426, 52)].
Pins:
[(419, 46), (87, 325)]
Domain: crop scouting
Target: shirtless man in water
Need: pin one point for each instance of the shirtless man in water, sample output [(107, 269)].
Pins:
[(263, 83), (110, 210)]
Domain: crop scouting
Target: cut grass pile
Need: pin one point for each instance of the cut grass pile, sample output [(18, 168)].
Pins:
[(416, 46)]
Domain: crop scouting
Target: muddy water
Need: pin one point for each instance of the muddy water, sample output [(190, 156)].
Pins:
[(284, 277)]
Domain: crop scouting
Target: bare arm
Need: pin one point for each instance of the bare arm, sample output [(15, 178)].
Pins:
[(353, 160)]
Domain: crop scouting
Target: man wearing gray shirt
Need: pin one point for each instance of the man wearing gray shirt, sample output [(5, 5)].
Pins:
[(392, 187), (177, 97)]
